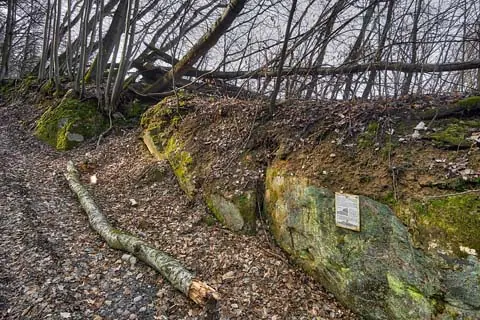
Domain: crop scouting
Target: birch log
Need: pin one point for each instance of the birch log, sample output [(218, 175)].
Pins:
[(171, 269)]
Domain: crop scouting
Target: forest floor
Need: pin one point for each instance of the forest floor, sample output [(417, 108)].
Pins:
[(54, 266)]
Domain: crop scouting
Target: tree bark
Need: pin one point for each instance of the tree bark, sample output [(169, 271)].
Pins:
[(381, 47), (200, 48), (325, 71), (7, 40), (111, 38), (413, 38), (278, 80), (171, 269)]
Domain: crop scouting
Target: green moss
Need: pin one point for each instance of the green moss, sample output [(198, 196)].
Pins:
[(469, 102), (455, 134), (247, 205), (214, 209), (458, 184), (368, 137), (209, 220), (450, 222), (71, 118), (180, 161), (48, 88)]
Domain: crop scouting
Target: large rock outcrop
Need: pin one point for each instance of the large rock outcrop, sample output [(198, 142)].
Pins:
[(378, 272)]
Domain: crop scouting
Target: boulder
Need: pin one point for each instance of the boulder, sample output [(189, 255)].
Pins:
[(69, 123), (379, 271)]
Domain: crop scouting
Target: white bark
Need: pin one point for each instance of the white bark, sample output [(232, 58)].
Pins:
[(171, 269)]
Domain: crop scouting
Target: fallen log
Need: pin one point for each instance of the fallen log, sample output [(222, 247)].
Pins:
[(169, 268)]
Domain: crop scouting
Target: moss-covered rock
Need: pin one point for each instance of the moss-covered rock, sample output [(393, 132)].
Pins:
[(164, 144), (69, 123), (377, 272), (237, 214), (451, 223)]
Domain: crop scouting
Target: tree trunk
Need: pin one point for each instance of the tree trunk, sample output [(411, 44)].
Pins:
[(200, 48), (56, 45), (273, 97), (413, 38), (379, 52), (7, 42), (171, 269), (356, 52), (111, 38), (323, 41), (126, 51)]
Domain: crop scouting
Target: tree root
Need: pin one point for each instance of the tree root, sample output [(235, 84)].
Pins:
[(171, 269)]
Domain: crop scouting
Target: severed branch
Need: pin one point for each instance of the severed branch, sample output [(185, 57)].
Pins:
[(171, 269)]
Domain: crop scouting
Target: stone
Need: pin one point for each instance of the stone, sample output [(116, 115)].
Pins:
[(71, 122), (75, 137), (377, 272)]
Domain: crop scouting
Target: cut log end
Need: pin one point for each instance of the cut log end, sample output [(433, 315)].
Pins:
[(202, 294)]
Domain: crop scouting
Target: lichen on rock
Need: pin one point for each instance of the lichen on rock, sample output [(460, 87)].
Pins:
[(69, 123)]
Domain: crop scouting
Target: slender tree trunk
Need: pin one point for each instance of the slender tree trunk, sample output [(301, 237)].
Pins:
[(99, 72), (46, 35), (28, 41), (278, 80), (379, 52), (80, 81), (323, 41), (56, 45), (126, 52), (68, 50), (355, 53), (413, 38), (110, 40), (7, 42)]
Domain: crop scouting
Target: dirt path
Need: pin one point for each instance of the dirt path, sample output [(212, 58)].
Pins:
[(53, 266)]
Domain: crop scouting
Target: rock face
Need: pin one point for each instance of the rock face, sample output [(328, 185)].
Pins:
[(70, 123), (377, 272), (193, 160)]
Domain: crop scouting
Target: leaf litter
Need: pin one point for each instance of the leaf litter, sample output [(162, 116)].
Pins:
[(53, 266)]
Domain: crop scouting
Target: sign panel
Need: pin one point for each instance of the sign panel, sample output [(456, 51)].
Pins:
[(347, 211)]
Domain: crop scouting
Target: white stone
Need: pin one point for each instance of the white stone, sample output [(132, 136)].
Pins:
[(421, 126), (75, 137)]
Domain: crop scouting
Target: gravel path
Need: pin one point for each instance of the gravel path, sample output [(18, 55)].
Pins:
[(53, 266)]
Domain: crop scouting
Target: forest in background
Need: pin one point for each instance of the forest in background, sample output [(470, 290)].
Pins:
[(307, 49)]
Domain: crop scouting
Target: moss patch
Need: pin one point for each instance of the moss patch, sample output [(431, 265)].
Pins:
[(180, 161), (449, 222), (470, 102), (455, 134), (368, 137), (70, 123)]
